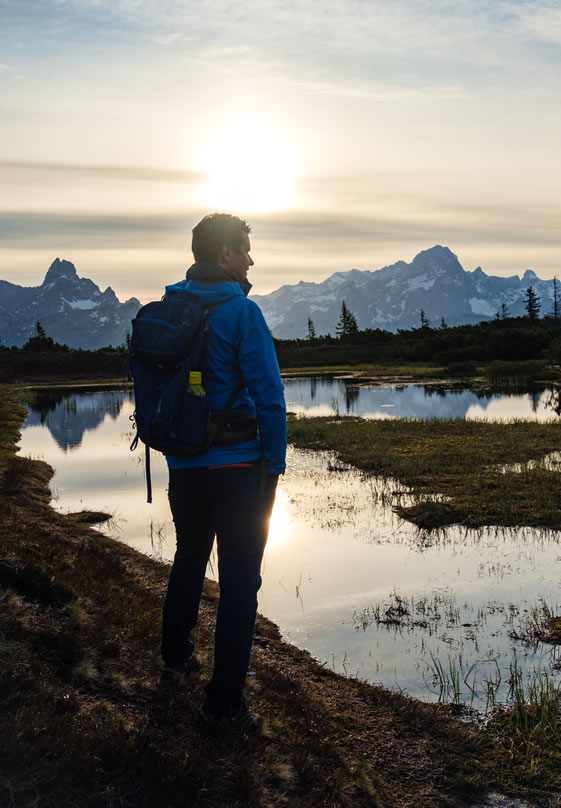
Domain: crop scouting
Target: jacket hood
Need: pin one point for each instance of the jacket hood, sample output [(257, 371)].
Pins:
[(209, 293), (208, 273)]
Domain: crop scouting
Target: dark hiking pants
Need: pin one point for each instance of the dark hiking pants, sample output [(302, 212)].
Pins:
[(233, 503)]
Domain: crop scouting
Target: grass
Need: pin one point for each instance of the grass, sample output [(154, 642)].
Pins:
[(86, 722), (11, 417), (521, 371), (87, 517), (468, 472), (527, 735), (538, 623), (371, 371)]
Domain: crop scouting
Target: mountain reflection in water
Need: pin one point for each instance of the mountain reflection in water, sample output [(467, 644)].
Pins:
[(68, 413)]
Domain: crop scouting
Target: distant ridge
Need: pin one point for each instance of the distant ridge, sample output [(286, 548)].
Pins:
[(391, 298), (72, 310)]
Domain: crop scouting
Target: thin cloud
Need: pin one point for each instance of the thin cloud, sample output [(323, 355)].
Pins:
[(85, 231), (303, 233), (379, 91), (132, 173)]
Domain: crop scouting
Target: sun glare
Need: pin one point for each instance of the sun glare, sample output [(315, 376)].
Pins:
[(278, 526), (250, 168)]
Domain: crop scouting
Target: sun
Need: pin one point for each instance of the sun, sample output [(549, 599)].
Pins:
[(250, 167)]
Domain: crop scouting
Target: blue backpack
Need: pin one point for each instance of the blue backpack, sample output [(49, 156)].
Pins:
[(169, 340)]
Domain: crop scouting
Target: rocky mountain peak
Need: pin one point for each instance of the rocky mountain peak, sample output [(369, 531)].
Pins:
[(392, 297), (60, 269), (71, 309), (437, 260), (529, 276)]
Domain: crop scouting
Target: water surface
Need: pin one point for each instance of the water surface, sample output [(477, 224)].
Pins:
[(365, 592), (327, 396)]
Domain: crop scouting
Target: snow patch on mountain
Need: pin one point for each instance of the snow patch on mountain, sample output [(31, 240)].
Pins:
[(392, 297), (83, 305), (480, 306)]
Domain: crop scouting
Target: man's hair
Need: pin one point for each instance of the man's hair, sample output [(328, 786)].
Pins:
[(215, 231)]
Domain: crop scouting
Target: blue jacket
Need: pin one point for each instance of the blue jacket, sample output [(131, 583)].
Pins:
[(240, 348)]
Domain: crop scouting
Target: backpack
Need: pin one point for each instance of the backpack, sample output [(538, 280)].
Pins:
[(169, 340)]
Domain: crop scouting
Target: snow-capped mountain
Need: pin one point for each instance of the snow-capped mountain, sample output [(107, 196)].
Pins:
[(392, 298), (72, 310)]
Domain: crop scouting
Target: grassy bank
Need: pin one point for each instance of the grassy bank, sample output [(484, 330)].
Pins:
[(377, 372), (86, 722), (468, 472)]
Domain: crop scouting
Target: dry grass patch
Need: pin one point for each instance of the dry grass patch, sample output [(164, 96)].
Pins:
[(482, 470)]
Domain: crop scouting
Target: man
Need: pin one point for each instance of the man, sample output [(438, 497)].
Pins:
[(229, 490)]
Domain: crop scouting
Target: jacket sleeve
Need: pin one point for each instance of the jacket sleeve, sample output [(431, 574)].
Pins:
[(261, 374)]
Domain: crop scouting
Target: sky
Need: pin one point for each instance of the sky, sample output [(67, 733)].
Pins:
[(349, 133)]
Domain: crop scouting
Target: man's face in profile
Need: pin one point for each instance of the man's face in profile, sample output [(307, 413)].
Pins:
[(238, 263)]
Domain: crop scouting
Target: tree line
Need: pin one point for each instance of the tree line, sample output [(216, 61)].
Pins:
[(505, 338), (347, 323), (40, 342)]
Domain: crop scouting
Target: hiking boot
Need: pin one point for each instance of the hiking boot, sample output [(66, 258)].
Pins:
[(176, 673), (235, 717)]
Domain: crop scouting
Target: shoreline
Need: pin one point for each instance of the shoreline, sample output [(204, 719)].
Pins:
[(88, 721)]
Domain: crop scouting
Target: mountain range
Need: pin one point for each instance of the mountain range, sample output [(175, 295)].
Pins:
[(74, 311), (392, 298)]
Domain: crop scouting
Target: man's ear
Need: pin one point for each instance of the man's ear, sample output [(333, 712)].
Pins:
[(224, 255)]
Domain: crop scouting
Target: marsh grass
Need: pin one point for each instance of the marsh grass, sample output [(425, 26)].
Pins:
[(538, 623), (11, 416), (521, 371), (370, 371), (527, 733), (87, 517), (427, 613), (86, 722), (458, 470)]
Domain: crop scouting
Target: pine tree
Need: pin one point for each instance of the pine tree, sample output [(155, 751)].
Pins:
[(40, 341), (425, 322), (504, 311), (532, 304), (311, 329), (352, 325), (347, 322)]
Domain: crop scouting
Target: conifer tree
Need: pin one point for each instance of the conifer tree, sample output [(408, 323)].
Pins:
[(311, 329), (347, 322), (532, 304), (40, 341)]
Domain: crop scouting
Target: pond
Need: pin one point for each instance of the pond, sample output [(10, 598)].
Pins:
[(327, 396), (366, 593)]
